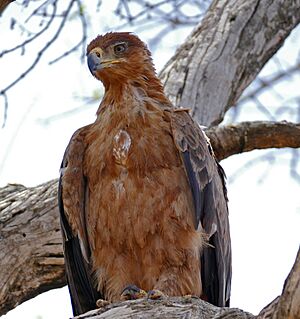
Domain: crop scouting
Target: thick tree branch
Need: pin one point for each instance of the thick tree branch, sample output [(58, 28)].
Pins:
[(225, 53), (31, 257), (170, 308), (247, 136)]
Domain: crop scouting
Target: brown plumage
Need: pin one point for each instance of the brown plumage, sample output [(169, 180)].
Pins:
[(140, 191)]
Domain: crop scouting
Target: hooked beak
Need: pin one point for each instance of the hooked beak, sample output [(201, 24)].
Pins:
[(96, 63)]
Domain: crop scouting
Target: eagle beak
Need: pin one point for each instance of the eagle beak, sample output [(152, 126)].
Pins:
[(96, 63)]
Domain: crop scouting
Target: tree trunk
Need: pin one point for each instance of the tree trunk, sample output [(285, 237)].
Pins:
[(225, 53), (208, 74)]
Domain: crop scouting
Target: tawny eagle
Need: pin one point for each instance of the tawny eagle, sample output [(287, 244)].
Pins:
[(142, 199)]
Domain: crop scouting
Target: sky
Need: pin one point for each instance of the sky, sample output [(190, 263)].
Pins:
[(264, 201)]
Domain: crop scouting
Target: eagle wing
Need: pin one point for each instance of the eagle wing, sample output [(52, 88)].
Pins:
[(72, 195), (207, 182)]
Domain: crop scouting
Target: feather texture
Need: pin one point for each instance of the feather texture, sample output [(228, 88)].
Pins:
[(140, 191)]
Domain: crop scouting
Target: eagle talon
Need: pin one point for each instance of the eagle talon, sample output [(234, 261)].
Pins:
[(132, 292), (155, 294), (100, 303)]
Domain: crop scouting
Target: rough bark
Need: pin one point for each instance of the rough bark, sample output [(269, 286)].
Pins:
[(247, 136), (225, 53), (169, 308), (31, 258)]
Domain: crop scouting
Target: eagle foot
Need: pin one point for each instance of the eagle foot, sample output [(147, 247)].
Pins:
[(132, 292), (155, 295), (100, 303)]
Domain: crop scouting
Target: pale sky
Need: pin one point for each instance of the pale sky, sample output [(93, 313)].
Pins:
[(264, 216)]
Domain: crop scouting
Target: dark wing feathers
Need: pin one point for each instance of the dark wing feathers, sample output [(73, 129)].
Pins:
[(71, 190), (207, 181), (197, 196)]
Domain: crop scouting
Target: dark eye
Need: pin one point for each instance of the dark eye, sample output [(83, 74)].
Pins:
[(119, 48)]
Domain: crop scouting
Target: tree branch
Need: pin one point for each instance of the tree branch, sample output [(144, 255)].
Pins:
[(53, 15), (31, 256), (169, 308), (247, 136), (225, 53)]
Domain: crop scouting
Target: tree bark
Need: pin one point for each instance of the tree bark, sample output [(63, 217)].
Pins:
[(31, 256), (247, 136), (225, 53), (169, 308)]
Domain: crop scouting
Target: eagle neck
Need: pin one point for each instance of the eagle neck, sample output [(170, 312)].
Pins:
[(144, 87)]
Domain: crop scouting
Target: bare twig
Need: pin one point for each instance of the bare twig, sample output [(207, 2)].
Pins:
[(265, 84), (53, 15), (24, 43), (82, 42), (168, 17)]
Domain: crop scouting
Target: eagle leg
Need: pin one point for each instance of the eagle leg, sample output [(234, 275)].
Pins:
[(132, 292)]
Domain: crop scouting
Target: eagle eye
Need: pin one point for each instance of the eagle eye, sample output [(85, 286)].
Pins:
[(119, 48)]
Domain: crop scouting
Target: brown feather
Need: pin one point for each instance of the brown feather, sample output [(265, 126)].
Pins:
[(147, 196)]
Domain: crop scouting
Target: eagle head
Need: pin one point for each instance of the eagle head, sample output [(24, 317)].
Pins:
[(119, 56)]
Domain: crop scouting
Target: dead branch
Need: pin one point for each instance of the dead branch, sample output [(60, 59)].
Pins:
[(50, 17)]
